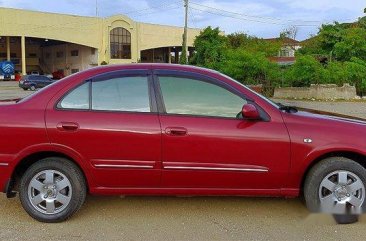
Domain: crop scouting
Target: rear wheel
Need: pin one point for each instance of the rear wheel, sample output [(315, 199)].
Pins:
[(52, 190), (33, 88), (336, 185), (25, 88)]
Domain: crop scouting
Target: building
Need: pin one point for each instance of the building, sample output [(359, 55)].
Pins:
[(286, 54), (49, 42)]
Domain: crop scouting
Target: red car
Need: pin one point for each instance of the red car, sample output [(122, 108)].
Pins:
[(144, 129)]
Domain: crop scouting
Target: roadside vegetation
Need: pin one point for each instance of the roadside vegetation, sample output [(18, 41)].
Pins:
[(336, 55)]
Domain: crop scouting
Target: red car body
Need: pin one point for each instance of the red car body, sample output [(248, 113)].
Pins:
[(166, 154)]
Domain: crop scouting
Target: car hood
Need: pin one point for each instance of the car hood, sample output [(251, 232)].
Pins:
[(333, 116)]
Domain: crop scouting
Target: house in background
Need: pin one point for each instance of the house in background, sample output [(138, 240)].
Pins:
[(286, 54)]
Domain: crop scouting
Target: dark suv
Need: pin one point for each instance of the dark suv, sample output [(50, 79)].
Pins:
[(33, 82)]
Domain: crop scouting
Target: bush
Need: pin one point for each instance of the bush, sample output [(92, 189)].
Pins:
[(249, 68), (306, 71), (356, 74)]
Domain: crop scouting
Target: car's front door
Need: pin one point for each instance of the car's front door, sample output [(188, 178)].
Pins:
[(207, 144), (111, 121)]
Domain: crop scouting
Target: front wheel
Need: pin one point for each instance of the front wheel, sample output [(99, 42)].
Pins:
[(336, 185), (33, 88), (52, 190)]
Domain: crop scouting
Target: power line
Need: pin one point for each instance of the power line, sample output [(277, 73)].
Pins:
[(154, 7), (278, 21), (192, 18), (252, 20), (253, 16), (156, 11)]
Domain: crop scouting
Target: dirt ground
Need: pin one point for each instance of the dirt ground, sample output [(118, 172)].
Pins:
[(173, 218)]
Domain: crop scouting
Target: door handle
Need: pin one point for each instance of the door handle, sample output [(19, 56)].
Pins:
[(67, 126), (176, 131)]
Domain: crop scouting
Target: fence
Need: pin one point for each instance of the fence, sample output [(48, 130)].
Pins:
[(321, 92)]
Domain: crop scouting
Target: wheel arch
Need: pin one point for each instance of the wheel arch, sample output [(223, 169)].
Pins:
[(32, 158), (355, 156)]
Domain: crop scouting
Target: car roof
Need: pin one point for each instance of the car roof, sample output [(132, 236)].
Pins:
[(153, 66)]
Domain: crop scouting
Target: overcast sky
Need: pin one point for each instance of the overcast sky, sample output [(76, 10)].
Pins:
[(256, 17)]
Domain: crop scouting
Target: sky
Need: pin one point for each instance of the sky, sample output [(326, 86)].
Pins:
[(259, 18)]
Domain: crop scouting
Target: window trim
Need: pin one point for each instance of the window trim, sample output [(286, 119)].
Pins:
[(199, 77), (111, 75), (120, 44), (58, 102)]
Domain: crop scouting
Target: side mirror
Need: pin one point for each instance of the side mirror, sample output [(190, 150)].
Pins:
[(250, 112)]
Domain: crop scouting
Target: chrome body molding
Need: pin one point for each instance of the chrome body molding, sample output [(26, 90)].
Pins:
[(217, 169), (122, 166), (4, 164)]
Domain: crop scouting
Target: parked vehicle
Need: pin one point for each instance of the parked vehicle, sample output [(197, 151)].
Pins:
[(145, 129), (7, 71), (33, 82), (58, 75), (35, 73)]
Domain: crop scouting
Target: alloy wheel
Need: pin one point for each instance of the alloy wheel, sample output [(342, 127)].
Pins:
[(342, 192), (49, 192)]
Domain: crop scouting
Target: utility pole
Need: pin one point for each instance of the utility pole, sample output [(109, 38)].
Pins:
[(185, 46), (96, 8)]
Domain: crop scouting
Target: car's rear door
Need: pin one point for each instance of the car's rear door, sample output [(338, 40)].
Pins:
[(205, 143), (111, 121)]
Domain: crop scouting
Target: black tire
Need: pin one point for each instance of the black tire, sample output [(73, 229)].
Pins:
[(74, 176), (345, 219), (25, 89), (319, 172)]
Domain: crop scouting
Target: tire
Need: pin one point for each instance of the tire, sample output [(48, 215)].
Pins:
[(336, 185), (25, 89), (57, 198), (345, 219), (33, 88)]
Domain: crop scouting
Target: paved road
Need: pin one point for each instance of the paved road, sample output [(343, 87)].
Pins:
[(171, 218), (357, 108), (11, 90)]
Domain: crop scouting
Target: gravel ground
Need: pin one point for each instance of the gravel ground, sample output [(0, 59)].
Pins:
[(171, 218)]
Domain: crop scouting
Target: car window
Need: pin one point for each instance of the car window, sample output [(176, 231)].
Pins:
[(44, 78), (195, 97), (121, 94), (77, 98)]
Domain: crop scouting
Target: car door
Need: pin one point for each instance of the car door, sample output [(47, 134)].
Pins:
[(111, 121), (34, 81), (41, 81), (44, 80), (207, 144)]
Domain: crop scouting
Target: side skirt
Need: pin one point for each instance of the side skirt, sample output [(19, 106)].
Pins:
[(195, 192)]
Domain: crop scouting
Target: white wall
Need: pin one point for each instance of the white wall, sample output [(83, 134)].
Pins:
[(87, 58)]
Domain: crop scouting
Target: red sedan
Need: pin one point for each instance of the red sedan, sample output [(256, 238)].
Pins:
[(144, 129)]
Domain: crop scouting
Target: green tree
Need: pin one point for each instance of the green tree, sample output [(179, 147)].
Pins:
[(356, 74), (253, 44), (351, 44), (210, 46), (183, 56), (249, 68), (306, 71)]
